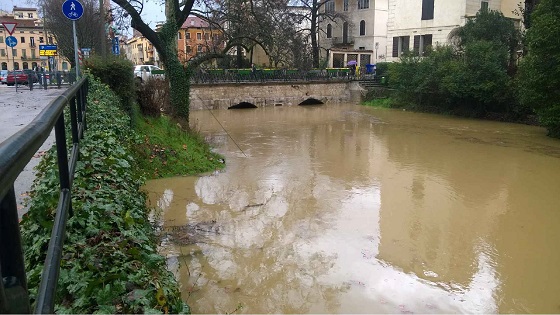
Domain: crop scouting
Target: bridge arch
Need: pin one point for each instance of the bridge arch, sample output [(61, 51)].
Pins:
[(243, 105), (311, 101)]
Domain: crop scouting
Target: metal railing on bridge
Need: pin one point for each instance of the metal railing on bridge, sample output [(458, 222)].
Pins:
[(15, 153), (269, 75)]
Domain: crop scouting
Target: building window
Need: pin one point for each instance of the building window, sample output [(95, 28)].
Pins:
[(187, 35), (30, 15), (50, 40), (329, 31), (41, 40), (64, 65), (16, 65), (1, 39), (199, 36), (32, 41), (427, 9), (33, 65), (4, 65), (188, 49), (329, 6), (22, 40), (364, 4), (14, 52), (484, 6), (24, 53), (33, 56), (362, 28), (345, 33), (199, 48), (25, 65), (400, 44), (345, 5), (421, 44), (2, 54), (180, 36)]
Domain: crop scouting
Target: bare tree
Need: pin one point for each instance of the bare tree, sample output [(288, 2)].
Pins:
[(317, 12), (87, 27)]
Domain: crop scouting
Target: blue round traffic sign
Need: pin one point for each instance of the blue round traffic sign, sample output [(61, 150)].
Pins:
[(72, 9), (11, 41)]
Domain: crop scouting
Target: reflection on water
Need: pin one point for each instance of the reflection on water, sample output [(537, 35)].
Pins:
[(346, 209)]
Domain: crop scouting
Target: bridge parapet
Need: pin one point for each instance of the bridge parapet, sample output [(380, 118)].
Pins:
[(261, 94)]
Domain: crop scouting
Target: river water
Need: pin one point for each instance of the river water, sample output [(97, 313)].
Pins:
[(350, 209)]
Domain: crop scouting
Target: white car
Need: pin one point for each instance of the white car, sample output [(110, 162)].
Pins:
[(143, 72)]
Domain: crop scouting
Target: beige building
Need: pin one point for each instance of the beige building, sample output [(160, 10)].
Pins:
[(29, 33), (361, 36), (414, 25), (140, 50)]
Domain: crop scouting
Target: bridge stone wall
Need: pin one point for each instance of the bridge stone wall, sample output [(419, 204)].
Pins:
[(224, 95)]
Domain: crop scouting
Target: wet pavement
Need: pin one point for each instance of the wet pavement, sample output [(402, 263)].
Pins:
[(18, 108)]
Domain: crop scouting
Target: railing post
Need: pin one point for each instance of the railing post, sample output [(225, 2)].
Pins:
[(14, 295), (51, 270)]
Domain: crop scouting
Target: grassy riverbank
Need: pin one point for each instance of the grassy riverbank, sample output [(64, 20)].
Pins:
[(110, 260), (167, 150)]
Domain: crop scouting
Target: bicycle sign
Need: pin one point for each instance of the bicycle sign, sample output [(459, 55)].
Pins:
[(72, 9)]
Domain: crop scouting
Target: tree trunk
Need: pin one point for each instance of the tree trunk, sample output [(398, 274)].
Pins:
[(314, 43), (239, 57), (179, 84)]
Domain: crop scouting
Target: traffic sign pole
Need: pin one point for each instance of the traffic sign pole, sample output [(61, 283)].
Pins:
[(76, 50), (74, 10)]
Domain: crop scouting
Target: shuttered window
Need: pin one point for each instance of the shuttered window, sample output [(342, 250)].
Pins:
[(421, 44), (427, 9), (400, 44)]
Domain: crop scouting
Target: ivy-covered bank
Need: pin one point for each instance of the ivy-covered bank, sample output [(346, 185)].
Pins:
[(110, 262)]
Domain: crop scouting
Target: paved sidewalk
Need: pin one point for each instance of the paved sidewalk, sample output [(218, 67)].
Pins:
[(17, 109)]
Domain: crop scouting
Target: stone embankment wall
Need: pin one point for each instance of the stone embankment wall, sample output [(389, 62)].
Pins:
[(225, 95)]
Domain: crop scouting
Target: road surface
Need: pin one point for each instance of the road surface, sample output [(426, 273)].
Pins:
[(17, 109)]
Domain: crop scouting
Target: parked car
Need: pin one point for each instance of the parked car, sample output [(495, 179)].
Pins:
[(143, 72), (21, 77), (3, 76)]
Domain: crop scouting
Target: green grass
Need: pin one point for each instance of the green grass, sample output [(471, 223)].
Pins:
[(167, 150), (379, 102)]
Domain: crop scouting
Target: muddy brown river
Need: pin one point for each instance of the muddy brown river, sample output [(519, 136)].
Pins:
[(349, 209)]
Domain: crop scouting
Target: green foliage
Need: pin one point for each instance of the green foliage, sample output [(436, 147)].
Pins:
[(117, 73), (489, 26), (110, 262), (382, 69), (379, 102), (167, 150), (469, 79), (539, 75)]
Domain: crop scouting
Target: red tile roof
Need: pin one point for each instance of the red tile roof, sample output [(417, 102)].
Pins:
[(194, 21)]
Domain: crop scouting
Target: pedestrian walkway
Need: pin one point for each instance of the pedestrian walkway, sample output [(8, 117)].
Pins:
[(17, 109)]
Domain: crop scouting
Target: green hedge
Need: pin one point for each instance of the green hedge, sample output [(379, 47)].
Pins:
[(110, 260)]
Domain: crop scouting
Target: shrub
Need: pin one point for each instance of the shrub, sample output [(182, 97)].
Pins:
[(539, 73), (153, 97), (118, 74)]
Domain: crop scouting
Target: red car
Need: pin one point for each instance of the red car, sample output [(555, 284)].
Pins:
[(21, 77)]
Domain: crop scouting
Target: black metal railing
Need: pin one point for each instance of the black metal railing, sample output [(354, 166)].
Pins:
[(15, 153), (268, 75)]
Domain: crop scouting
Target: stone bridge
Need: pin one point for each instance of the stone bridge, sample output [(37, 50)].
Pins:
[(260, 94)]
